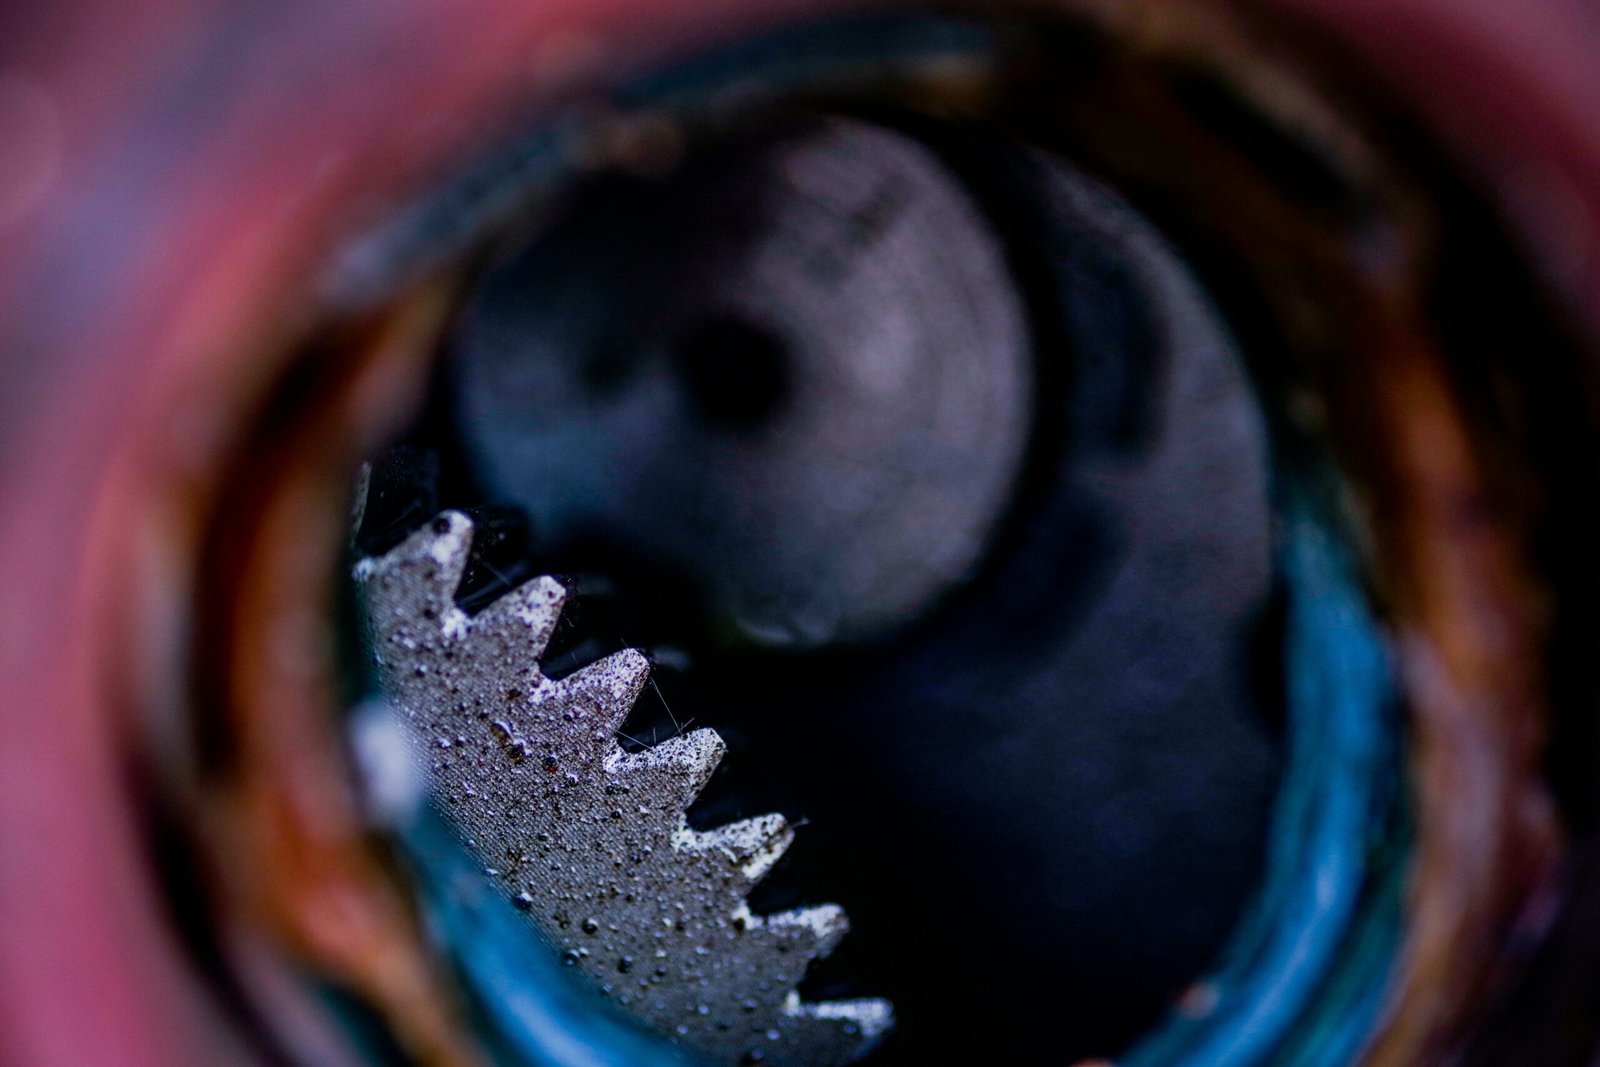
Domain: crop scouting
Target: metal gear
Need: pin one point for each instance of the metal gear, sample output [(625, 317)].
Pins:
[(590, 841)]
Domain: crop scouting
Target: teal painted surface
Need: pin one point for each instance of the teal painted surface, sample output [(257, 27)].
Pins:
[(1302, 981)]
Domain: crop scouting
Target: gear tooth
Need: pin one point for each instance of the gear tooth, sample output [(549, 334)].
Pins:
[(437, 552), (409, 592), (358, 500), (868, 1020), (611, 685), (824, 924), (527, 615), (684, 764), (752, 845)]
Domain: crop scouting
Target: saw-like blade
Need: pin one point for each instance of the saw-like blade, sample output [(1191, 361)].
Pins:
[(589, 840)]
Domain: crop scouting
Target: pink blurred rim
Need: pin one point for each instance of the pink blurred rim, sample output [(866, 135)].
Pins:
[(150, 231)]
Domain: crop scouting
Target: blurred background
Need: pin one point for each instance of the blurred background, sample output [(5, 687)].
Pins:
[(627, 533)]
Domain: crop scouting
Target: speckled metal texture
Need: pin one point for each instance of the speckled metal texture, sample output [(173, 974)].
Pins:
[(590, 841)]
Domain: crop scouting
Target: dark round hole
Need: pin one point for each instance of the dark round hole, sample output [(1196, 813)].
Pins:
[(737, 372)]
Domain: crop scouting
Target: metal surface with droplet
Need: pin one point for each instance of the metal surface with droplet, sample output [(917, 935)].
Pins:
[(605, 883)]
